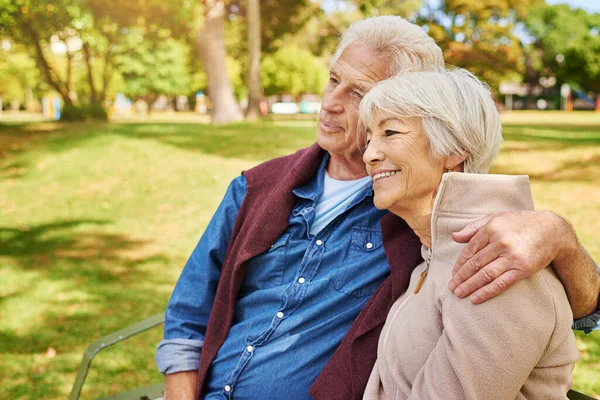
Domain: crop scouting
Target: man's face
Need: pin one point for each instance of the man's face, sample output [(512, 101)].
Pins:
[(350, 78)]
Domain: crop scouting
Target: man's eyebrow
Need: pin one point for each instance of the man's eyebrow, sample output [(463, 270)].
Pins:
[(363, 88)]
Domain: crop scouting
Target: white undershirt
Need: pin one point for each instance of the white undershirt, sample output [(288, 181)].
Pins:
[(336, 197)]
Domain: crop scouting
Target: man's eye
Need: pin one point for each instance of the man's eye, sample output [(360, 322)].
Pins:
[(389, 132), (333, 80), (357, 95)]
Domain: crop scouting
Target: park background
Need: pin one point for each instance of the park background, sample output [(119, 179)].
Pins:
[(123, 122)]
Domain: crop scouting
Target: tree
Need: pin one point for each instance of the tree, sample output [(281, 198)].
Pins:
[(479, 34), (293, 70), (372, 8), (19, 79), (567, 44), (211, 47), (151, 68), (32, 23), (254, 86)]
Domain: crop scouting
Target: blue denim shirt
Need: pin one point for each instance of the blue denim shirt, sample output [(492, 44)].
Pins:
[(297, 301)]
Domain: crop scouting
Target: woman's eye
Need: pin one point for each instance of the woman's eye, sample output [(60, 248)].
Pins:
[(389, 132), (333, 80), (357, 95)]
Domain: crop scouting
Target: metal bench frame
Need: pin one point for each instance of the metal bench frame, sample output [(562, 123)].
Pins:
[(148, 392)]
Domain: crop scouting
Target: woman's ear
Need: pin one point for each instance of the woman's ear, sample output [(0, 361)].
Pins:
[(455, 163)]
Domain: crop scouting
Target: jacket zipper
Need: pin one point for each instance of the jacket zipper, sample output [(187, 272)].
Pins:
[(424, 273)]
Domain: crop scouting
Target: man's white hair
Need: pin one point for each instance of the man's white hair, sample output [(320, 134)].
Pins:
[(402, 44), (456, 109)]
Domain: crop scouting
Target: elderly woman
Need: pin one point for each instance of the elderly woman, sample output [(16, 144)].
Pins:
[(431, 137)]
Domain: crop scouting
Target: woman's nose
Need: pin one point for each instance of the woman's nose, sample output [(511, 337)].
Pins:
[(373, 153)]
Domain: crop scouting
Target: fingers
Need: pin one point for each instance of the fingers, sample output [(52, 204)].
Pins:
[(498, 286), (465, 234), (470, 252), (483, 277)]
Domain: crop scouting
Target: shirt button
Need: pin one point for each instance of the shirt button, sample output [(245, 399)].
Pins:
[(227, 388), (301, 280), (369, 245), (279, 315), (249, 349), (319, 242)]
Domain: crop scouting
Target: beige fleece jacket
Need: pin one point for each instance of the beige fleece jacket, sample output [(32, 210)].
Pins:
[(437, 346)]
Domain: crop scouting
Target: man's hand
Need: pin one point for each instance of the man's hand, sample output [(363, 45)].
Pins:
[(506, 247), (181, 385)]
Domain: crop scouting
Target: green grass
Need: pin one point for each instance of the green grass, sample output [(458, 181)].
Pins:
[(97, 220)]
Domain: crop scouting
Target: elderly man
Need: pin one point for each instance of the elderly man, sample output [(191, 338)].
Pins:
[(289, 286)]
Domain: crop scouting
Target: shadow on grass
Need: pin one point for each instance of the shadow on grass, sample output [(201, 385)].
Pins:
[(111, 274), (555, 135), (252, 141), (569, 171)]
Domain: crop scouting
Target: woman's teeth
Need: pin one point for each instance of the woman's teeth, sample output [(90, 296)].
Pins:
[(384, 175)]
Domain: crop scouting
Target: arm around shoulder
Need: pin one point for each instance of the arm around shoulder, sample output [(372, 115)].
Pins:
[(490, 350), (576, 270)]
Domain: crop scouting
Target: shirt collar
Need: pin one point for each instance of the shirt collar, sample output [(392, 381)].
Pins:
[(314, 188)]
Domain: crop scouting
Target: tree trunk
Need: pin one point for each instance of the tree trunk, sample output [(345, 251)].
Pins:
[(211, 46), (530, 81), (107, 70), (69, 82), (88, 61), (254, 87), (30, 101), (48, 74)]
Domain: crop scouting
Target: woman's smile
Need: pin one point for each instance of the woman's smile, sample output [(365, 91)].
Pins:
[(382, 175)]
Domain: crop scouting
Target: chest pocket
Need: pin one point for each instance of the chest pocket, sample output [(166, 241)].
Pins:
[(365, 267), (266, 270)]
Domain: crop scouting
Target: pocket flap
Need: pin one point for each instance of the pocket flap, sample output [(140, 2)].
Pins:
[(366, 239), (282, 241)]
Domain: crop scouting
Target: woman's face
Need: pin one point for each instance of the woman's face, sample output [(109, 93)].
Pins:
[(405, 175)]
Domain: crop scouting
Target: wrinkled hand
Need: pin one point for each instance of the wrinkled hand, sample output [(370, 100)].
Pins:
[(503, 248)]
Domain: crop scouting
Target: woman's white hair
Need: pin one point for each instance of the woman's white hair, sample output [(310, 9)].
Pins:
[(402, 44), (456, 109)]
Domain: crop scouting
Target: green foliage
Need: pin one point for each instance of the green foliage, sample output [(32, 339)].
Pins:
[(279, 19), (17, 74), (152, 68), (372, 8), (70, 112), (479, 34), (293, 70), (96, 111), (572, 33)]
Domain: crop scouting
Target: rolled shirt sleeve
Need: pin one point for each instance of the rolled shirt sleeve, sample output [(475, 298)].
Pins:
[(177, 355), (188, 310), (591, 322)]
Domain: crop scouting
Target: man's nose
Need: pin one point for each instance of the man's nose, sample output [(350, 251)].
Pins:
[(332, 101)]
